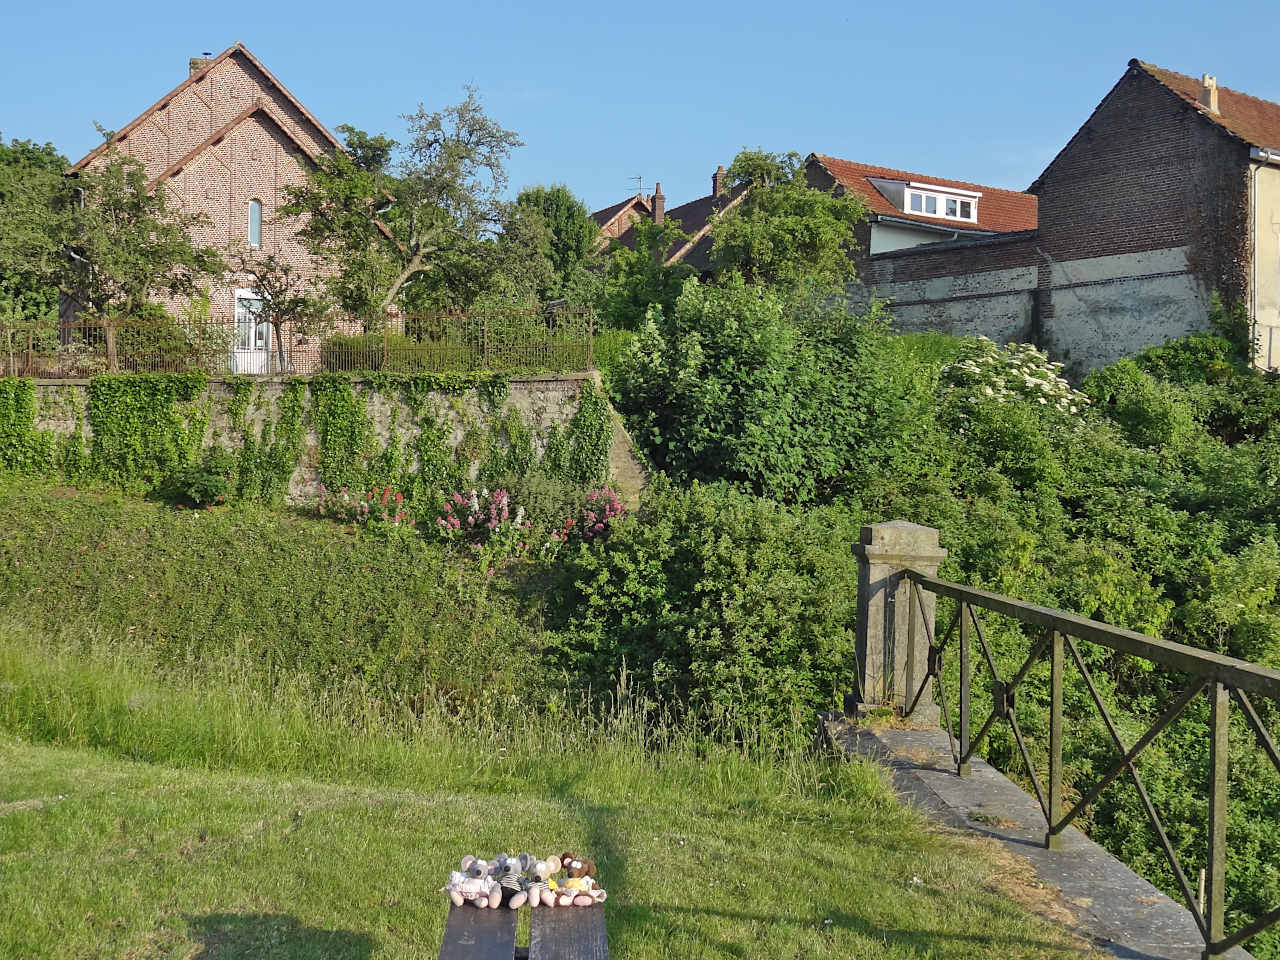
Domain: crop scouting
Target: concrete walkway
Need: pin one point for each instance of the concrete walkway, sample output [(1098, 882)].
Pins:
[(1114, 908)]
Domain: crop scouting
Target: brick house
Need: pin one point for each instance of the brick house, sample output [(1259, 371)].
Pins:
[(614, 221), (1169, 191), (696, 219), (226, 142)]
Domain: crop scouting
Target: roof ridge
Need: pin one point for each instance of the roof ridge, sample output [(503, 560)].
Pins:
[(1149, 67)]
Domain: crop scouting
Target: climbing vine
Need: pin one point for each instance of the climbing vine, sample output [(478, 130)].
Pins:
[(148, 432), (146, 427)]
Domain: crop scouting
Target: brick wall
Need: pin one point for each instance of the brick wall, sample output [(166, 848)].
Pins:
[(1141, 215)]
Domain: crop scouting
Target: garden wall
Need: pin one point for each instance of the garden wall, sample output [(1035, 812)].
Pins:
[(331, 428)]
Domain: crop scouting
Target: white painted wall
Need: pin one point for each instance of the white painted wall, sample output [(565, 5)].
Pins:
[(895, 236), (1266, 254)]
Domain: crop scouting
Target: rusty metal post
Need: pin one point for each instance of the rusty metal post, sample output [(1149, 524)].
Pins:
[(1216, 881), (484, 333), (31, 356), (1053, 840), (591, 340), (386, 342)]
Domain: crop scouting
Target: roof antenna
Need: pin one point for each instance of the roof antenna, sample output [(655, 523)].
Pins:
[(639, 185)]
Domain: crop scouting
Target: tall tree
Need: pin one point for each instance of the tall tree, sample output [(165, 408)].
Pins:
[(433, 221), (33, 208), (371, 152), (126, 245), (571, 233), (785, 233)]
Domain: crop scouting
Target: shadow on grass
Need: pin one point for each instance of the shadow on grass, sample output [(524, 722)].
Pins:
[(659, 923), (231, 936)]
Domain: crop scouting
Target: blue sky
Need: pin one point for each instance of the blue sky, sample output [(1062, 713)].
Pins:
[(602, 93)]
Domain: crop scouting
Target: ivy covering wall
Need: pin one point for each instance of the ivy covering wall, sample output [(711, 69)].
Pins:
[(433, 433)]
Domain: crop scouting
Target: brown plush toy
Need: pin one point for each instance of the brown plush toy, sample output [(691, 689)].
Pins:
[(580, 889)]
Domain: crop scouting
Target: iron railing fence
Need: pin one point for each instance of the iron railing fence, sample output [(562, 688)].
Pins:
[(410, 343), (1222, 678)]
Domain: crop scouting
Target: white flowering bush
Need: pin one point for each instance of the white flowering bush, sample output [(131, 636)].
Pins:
[(1014, 372)]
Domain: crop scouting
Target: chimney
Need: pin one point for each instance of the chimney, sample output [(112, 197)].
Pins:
[(717, 181), (196, 64), (1209, 93), (659, 204)]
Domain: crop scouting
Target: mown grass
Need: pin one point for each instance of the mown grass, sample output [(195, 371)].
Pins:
[(152, 810)]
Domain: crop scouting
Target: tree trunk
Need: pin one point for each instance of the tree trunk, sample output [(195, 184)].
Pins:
[(279, 347)]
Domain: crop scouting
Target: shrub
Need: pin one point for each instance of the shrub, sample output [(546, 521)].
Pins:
[(211, 480), (721, 604)]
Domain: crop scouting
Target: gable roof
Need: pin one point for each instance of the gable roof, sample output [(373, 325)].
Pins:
[(999, 211), (236, 48), (1250, 119), (606, 216)]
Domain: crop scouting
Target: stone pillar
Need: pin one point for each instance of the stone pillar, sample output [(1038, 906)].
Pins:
[(893, 651)]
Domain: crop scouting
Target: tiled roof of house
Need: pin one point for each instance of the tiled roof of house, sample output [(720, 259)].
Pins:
[(605, 216), (696, 219), (999, 211), (1251, 119), (236, 48)]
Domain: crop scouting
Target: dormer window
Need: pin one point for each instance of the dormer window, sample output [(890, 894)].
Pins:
[(945, 202)]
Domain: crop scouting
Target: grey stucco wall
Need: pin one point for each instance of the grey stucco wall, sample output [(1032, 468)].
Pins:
[(542, 402)]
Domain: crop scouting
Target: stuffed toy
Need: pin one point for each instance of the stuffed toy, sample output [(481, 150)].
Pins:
[(510, 876), (472, 884), (542, 885), (581, 889)]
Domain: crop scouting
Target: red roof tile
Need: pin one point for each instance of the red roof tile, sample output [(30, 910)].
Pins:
[(1253, 120), (999, 211)]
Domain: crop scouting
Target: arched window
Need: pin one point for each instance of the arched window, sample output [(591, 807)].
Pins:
[(255, 223)]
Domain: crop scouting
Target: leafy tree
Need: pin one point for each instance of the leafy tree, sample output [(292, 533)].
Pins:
[(785, 233), (637, 276), (127, 245), (571, 233), (33, 205), (370, 152), (434, 221)]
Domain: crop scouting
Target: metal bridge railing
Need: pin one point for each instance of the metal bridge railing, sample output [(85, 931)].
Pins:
[(1222, 678)]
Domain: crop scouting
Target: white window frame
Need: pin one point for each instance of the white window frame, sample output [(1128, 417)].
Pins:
[(247, 336), (939, 197)]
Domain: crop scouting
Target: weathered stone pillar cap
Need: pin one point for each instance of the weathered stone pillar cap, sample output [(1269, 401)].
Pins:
[(901, 539)]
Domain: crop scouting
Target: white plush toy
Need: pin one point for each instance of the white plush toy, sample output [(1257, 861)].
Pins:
[(473, 884)]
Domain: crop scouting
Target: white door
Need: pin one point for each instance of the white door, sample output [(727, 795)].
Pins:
[(251, 351)]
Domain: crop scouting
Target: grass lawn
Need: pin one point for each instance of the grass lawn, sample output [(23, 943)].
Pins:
[(148, 813)]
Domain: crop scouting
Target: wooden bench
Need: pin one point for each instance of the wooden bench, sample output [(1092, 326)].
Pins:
[(555, 933)]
